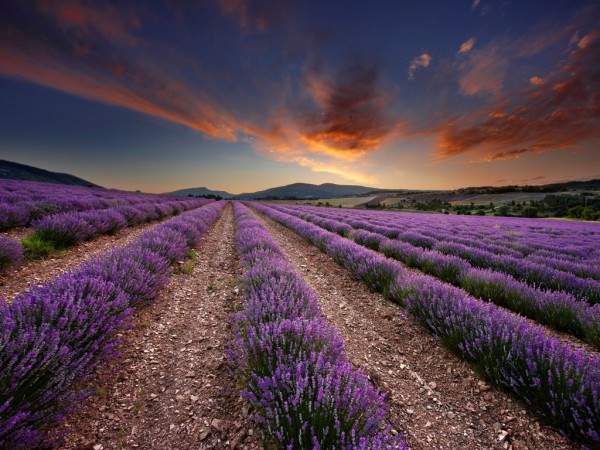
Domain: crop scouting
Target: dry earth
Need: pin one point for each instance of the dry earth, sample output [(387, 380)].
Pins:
[(171, 388), (36, 272), (435, 398)]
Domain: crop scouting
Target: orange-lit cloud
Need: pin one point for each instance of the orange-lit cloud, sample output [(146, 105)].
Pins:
[(536, 81), (558, 114), (347, 119), (155, 96), (467, 46), (255, 16), (345, 171), (484, 71), (106, 21), (588, 39), (350, 116), (421, 61), (507, 155)]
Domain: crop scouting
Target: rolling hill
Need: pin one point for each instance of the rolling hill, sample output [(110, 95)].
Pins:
[(15, 171), (308, 191), (199, 191)]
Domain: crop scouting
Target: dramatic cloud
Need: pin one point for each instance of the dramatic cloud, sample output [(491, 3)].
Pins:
[(268, 84), (100, 74), (105, 21), (255, 15), (344, 171), (350, 117), (558, 114), (484, 71), (420, 61), (88, 52), (536, 81), (507, 155), (467, 46), (588, 39)]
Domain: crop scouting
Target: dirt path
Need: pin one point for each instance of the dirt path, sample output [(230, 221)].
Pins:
[(172, 388), (17, 233), (35, 272), (433, 396)]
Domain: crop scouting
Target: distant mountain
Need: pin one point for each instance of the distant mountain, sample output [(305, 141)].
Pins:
[(199, 191), (15, 171), (308, 191), (592, 185)]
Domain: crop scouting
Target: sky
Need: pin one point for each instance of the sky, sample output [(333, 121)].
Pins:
[(242, 95)]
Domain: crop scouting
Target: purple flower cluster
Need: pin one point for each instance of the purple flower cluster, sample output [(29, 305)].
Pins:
[(13, 216), (67, 229), (11, 252), (560, 383), (52, 336), (305, 392), (23, 202), (579, 277)]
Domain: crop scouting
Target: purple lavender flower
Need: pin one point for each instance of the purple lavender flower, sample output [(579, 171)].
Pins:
[(11, 252)]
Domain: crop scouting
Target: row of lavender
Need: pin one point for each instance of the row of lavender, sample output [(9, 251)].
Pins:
[(526, 236), (70, 228), (554, 243), (22, 202), (533, 273), (559, 310), (62, 230), (559, 382), (523, 238), (292, 362), (52, 336)]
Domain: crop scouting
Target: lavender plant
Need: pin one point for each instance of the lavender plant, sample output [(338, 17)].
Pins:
[(11, 253), (297, 377)]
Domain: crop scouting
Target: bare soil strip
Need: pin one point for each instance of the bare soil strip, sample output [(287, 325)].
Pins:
[(171, 388), (437, 399), (17, 233), (35, 272)]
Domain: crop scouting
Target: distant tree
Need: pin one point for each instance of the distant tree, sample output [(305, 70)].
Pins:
[(502, 211), (529, 211)]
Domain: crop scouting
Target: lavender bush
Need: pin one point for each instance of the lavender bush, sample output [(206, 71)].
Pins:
[(53, 336), (23, 202), (292, 362), (11, 253), (60, 231), (13, 216)]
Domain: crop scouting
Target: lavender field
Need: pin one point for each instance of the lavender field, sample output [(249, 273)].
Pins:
[(166, 323)]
